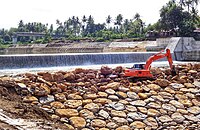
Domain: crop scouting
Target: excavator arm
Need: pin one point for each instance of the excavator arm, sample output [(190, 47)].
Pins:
[(158, 56)]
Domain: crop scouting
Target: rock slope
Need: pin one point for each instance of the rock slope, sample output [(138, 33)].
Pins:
[(89, 99)]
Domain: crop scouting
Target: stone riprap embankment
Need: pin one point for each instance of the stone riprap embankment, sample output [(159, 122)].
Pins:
[(103, 99)]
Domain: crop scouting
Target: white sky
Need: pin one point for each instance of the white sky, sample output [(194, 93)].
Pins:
[(47, 11)]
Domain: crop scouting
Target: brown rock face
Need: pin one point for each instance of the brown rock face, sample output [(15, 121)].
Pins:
[(69, 76), (114, 85), (77, 122), (162, 82), (30, 99), (105, 70), (137, 125), (98, 123), (73, 103), (66, 112)]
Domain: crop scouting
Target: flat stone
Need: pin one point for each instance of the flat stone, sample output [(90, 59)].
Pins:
[(153, 112), (176, 86), (181, 97), (124, 102), (191, 117), (196, 83), (192, 71), (117, 106), (73, 103), (158, 98), (104, 114), (111, 125), (74, 97), (66, 112), (69, 76), (154, 105), (154, 87), (142, 95), (102, 101), (121, 94), (92, 107), (132, 95), (55, 117), (194, 110), (186, 102), (124, 127), (142, 110), (168, 107), (123, 89), (57, 105), (166, 95), (176, 104), (46, 99), (115, 113), (138, 103), (110, 91), (164, 118), (86, 101), (103, 129), (120, 121), (137, 125), (114, 85), (151, 99), (196, 102), (113, 97), (30, 99), (182, 111), (190, 95), (177, 117), (136, 89), (137, 116), (86, 114), (162, 82), (102, 95), (98, 123), (68, 127), (170, 90), (131, 108), (189, 85), (78, 122), (90, 96), (60, 97), (150, 121), (194, 90)]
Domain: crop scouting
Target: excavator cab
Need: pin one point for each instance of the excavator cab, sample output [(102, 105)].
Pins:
[(138, 66)]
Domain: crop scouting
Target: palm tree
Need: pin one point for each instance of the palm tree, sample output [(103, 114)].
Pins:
[(137, 16), (119, 20), (108, 20), (126, 25)]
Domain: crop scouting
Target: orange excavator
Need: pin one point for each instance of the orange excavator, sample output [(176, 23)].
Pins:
[(143, 70)]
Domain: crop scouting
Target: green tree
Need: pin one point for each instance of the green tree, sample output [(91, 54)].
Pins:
[(175, 19), (118, 21), (108, 20)]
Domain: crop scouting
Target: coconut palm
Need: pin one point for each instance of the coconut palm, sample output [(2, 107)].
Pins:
[(108, 20)]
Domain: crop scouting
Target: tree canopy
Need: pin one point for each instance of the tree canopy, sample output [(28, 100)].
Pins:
[(177, 16)]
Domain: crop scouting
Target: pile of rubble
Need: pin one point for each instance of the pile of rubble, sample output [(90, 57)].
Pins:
[(89, 99)]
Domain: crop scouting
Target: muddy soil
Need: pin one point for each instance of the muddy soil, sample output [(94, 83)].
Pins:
[(14, 114)]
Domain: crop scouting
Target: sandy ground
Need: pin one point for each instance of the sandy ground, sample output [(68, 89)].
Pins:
[(21, 116)]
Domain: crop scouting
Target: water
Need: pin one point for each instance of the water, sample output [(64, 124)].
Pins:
[(75, 59)]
